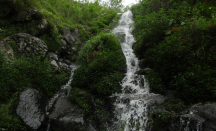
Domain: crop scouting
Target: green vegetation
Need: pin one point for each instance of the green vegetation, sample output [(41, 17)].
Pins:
[(28, 72), (176, 39), (7, 120), (103, 65), (160, 121), (59, 14)]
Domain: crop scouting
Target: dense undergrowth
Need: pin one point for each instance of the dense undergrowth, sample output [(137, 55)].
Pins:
[(176, 40), (59, 14)]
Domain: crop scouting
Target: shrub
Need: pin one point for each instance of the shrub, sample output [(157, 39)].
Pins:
[(103, 65), (24, 72)]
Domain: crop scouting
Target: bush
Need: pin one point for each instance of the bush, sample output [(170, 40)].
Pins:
[(7, 120), (177, 44), (24, 72), (103, 65)]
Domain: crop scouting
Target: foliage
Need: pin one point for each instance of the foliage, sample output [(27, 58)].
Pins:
[(24, 72), (103, 64), (98, 109), (7, 120), (174, 106), (177, 44), (160, 121), (58, 13)]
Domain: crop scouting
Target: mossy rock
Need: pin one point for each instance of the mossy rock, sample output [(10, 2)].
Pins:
[(103, 66)]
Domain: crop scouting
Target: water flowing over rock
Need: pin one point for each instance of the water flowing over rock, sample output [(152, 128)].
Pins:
[(31, 107), (200, 117), (133, 103)]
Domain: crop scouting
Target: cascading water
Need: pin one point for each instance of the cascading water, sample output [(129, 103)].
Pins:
[(61, 93), (131, 105)]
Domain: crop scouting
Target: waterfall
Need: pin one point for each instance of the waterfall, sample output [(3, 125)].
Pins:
[(131, 106)]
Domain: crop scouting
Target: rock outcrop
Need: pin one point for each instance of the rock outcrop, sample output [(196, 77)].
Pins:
[(200, 117), (28, 45), (31, 108)]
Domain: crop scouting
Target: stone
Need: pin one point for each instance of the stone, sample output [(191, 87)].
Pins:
[(76, 34), (63, 42), (28, 45), (200, 117), (68, 36), (67, 116), (53, 56), (54, 63), (31, 108), (7, 50), (41, 27)]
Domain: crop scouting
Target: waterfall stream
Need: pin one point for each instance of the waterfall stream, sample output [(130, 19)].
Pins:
[(131, 106)]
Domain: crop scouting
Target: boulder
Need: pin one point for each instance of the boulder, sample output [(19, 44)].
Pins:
[(67, 116), (28, 44), (7, 50), (31, 108), (76, 34), (41, 27), (200, 117), (68, 36)]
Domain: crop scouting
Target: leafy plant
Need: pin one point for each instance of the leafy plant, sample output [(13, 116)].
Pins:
[(103, 64)]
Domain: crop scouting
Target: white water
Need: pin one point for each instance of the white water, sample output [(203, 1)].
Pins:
[(64, 88), (131, 107)]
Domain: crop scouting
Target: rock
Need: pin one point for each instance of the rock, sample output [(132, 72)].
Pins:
[(26, 15), (76, 34), (120, 36), (54, 63), (7, 50), (28, 44), (67, 62), (208, 112), (68, 36), (31, 108), (41, 27), (67, 116), (53, 56), (63, 42), (200, 117)]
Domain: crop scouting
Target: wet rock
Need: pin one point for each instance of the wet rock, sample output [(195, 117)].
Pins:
[(7, 50), (208, 112), (28, 45), (200, 117), (31, 108), (120, 36)]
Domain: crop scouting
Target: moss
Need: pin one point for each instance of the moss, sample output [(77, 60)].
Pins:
[(103, 65)]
